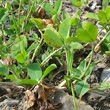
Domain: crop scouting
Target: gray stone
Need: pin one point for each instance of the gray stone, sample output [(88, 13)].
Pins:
[(9, 102), (105, 76), (67, 100)]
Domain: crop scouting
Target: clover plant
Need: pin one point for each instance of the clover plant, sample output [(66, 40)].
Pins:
[(22, 58)]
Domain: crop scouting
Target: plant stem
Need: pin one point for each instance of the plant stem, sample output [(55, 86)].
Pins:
[(79, 102), (37, 47), (36, 50), (67, 61), (74, 100), (59, 61), (50, 56), (29, 7), (77, 107), (88, 64), (28, 14), (102, 29), (19, 11), (19, 14), (16, 27), (7, 83), (3, 33), (11, 84)]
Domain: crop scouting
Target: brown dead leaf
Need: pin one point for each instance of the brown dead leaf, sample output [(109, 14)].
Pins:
[(38, 98), (41, 93), (30, 99), (47, 22), (45, 91), (40, 13)]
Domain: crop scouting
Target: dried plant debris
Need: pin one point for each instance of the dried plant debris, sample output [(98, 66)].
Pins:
[(40, 13), (30, 98), (38, 98), (49, 21)]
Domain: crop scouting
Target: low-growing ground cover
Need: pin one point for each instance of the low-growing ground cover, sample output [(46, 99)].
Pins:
[(43, 49)]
